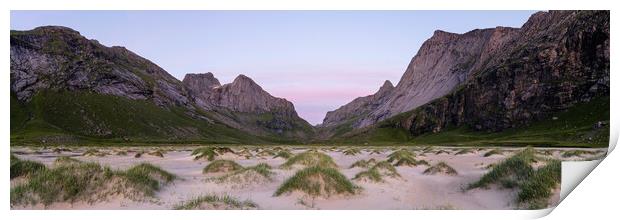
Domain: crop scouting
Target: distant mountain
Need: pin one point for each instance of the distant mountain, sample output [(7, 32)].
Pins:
[(68, 89), (492, 79)]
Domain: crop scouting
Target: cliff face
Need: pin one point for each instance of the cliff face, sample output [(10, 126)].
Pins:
[(359, 106), (59, 58), (556, 60), (442, 63)]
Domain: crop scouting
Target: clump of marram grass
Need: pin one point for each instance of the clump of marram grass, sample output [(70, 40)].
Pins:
[(509, 172), (204, 152), (283, 154), (207, 202), (90, 182), (223, 150), (410, 161), (156, 153), (441, 168), (318, 181), (94, 152), (493, 152), (243, 177), (537, 189), (376, 151), (310, 158), (266, 153), (245, 153), (442, 152), (351, 151), (464, 151), (400, 154), (64, 160), (364, 163), (21, 168), (376, 172), (575, 153), (218, 166)]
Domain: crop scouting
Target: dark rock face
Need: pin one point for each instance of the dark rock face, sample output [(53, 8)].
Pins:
[(59, 58), (558, 59)]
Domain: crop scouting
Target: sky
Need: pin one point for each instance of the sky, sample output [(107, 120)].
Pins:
[(319, 60)]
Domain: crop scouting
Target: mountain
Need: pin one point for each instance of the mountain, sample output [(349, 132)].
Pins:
[(499, 79), (68, 89)]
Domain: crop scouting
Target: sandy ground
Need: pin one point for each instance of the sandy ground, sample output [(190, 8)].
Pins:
[(413, 190)]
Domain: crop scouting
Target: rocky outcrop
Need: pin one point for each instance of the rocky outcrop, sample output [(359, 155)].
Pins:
[(58, 58), (243, 95), (359, 106), (556, 60)]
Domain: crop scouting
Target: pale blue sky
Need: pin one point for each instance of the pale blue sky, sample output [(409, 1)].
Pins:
[(319, 60)]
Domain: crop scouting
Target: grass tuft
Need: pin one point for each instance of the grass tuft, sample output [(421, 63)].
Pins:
[(364, 163), (376, 172), (493, 152), (218, 166), (441, 167), (216, 202), (509, 171), (351, 151), (204, 152), (309, 159), (317, 181), (24, 167), (73, 181)]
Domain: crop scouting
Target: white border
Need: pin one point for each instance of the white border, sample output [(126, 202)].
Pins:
[(594, 192)]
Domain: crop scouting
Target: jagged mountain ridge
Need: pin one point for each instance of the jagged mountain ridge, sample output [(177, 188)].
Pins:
[(57, 63)]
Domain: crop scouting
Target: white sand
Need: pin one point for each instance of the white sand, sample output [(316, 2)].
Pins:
[(413, 190)]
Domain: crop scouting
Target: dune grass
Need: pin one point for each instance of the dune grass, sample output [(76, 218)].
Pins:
[(442, 152), (441, 167), (283, 154), (266, 153), (351, 151), (121, 153), (317, 181), (464, 151), (245, 153), (376, 172), (71, 180), (537, 189), (138, 154), (576, 153), (259, 173), (156, 153), (218, 166), (65, 161), (309, 159), (400, 154), (24, 167), (215, 202), (509, 171), (535, 185), (95, 153), (410, 161), (364, 163), (493, 152), (204, 152)]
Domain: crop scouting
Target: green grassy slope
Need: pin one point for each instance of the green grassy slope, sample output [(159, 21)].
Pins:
[(89, 118), (574, 127)]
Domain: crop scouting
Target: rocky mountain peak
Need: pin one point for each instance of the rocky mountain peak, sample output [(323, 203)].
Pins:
[(200, 80), (387, 86)]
